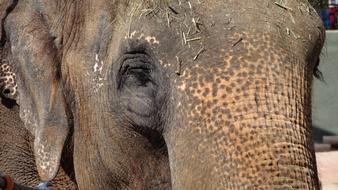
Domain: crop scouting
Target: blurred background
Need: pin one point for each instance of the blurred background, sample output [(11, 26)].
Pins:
[(325, 98), (325, 93), (328, 10)]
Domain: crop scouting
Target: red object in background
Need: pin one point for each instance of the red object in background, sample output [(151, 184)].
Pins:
[(332, 11), (336, 17)]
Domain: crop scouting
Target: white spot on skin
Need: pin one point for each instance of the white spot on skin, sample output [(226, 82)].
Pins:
[(133, 34), (164, 65), (98, 65), (45, 160), (141, 36), (98, 79), (179, 104), (150, 39), (28, 118), (182, 87)]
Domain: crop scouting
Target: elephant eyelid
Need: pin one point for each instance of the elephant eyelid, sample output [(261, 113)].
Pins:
[(135, 64)]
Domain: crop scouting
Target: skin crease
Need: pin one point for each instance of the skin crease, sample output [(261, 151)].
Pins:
[(167, 94)]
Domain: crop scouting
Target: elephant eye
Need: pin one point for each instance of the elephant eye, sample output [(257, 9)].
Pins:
[(138, 90), (138, 81), (136, 70)]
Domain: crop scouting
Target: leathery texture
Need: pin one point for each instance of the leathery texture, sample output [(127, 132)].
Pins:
[(256, 107)]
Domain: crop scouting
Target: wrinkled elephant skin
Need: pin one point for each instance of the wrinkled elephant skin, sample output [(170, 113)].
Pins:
[(166, 94)]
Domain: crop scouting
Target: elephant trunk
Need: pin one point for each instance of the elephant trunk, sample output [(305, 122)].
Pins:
[(251, 135)]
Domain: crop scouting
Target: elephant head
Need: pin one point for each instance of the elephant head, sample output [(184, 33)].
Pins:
[(168, 94)]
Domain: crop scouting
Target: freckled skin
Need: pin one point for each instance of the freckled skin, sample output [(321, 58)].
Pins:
[(237, 115), (7, 78)]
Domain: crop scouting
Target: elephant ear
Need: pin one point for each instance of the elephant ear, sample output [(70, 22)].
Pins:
[(38, 78)]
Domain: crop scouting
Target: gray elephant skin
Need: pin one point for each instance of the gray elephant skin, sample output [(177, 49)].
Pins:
[(170, 94)]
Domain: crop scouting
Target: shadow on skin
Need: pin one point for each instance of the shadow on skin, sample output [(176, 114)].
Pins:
[(9, 103)]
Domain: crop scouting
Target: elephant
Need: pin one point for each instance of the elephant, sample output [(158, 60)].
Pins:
[(170, 94)]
